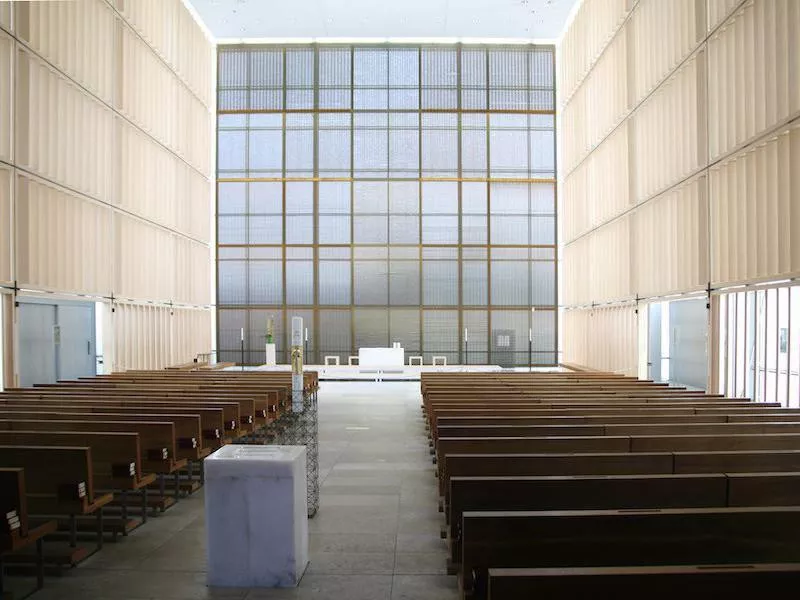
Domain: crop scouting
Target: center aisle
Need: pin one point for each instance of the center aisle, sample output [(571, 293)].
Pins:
[(376, 535)]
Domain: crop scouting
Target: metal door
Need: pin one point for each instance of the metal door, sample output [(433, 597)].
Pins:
[(76, 347), (37, 343)]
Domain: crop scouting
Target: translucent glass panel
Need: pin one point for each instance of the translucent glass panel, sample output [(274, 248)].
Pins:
[(398, 191)]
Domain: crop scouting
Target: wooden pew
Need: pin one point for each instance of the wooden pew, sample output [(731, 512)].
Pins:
[(694, 582), (157, 439), (235, 422), (509, 465), (607, 538), (593, 492), (188, 428), (15, 531), (634, 429), (614, 444), (59, 482), (116, 463), (220, 419)]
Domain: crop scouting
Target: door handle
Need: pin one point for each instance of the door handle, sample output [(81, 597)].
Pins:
[(89, 347)]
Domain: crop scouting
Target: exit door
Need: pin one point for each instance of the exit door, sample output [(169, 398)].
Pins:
[(56, 341)]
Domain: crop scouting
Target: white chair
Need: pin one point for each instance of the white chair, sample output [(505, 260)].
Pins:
[(331, 361), (442, 361), (414, 361), (352, 361)]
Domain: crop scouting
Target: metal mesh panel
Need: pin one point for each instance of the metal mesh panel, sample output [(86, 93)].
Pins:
[(230, 324), (404, 144), (335, 334), (404, 283), (508, 144), (334, 229), (334, 282), (232, 198), (366, 177), (509, 337), (475, 282), (371, 327), (473, 78), (476, 322), (371, 282), (232, 276), (543, 283), (440, 334), (439, 78), (440, 283), (509, 283), (508, 79), (266, 282), (404, 327), (439, 145), (299, 282)]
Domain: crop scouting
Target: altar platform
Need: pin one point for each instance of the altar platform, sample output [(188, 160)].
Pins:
[(405, 373)]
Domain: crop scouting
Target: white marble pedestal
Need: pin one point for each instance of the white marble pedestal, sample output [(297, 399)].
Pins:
[(256, 516), (270, 355)]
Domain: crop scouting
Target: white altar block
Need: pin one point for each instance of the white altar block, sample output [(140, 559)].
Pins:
[(256, 516), (381, 357), (270, 362)]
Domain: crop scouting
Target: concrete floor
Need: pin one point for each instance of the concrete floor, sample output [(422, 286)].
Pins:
[(375, 537)]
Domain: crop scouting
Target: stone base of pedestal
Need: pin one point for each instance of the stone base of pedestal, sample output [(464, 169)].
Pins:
[(256, 516)]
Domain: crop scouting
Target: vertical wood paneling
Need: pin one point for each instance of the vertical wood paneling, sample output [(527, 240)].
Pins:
[(593, 25), (62, 134), (664, 33), (670, 245), (63, 242), (6, 239), (603, 338), (76, 37), (6, 91), (710, 157), (753, 64), (665, 134), (754, 203), (112, 138)]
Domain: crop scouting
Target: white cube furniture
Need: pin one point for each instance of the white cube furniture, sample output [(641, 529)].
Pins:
[(256, 516), (381, 357)]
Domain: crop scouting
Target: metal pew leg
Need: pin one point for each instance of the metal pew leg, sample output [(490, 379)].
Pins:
[(99, 528), (124, 500), (73, 530), (144, 505), (39, 565)]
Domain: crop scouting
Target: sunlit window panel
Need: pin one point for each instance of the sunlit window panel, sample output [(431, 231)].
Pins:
[(390, 193)]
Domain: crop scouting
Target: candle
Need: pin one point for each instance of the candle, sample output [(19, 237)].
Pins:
[(306, 333), (530, 334), (242, 338), (466, 335)]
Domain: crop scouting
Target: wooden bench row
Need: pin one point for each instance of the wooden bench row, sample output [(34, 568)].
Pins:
[(95, 443), (553, 483)]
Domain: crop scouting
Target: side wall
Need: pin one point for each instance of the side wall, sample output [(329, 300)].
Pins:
[(679, 157), (105, 162)]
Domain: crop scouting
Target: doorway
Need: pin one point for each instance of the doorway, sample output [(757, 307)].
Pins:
[(56, 341), (677, 349)]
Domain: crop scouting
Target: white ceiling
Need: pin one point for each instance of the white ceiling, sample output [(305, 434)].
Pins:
[(506, 19)]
